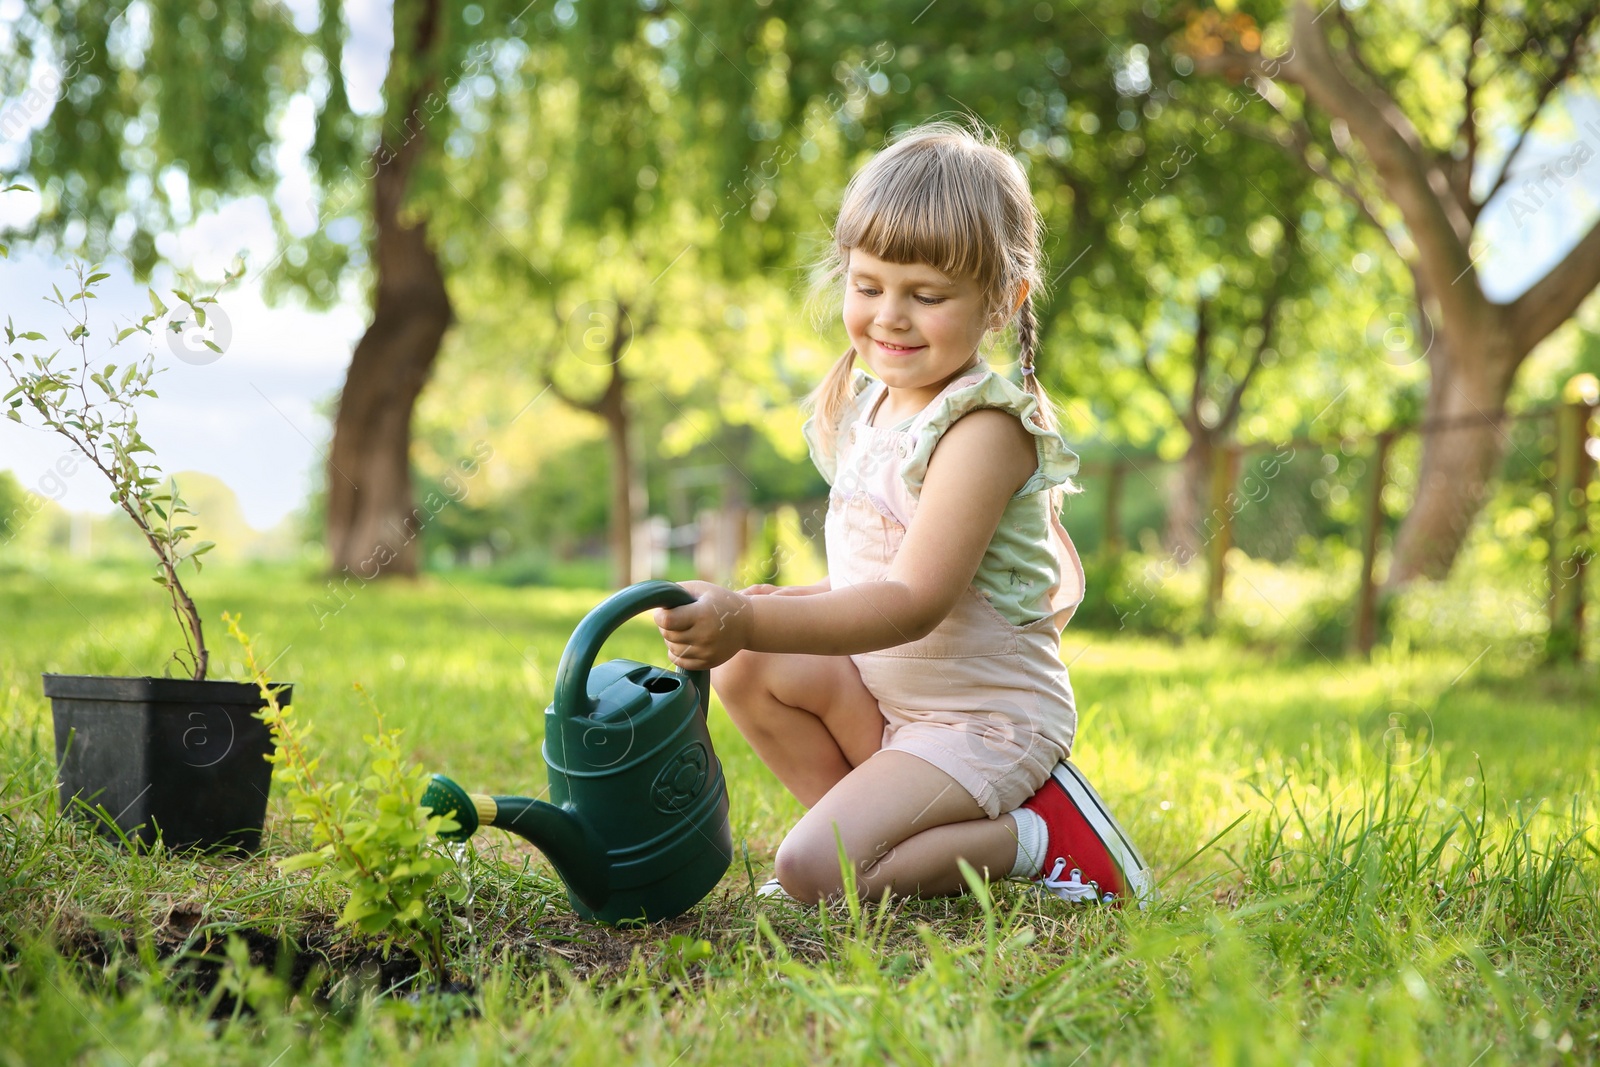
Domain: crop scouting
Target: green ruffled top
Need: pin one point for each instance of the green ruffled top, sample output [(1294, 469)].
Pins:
[(1021, 563)]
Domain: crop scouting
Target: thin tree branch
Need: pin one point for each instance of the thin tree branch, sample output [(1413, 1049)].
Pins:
[(1289, 247), (547, 367), (1564, 69), (1202, 361), (1461, 170), (1161, 387), (1380, 85), (1300, 141), (1230, 412)]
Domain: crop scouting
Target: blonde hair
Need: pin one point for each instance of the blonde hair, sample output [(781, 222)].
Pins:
[(950, 196)]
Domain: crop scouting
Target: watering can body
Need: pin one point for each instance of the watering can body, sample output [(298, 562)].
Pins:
[(637, 822), (640, 770)]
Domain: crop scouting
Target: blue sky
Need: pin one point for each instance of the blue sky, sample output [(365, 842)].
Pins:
[(250, 417)]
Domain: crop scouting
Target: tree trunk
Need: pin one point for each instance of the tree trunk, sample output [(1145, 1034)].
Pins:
[(1462, 445), (1188, 496), (373, 527), (628, 493)]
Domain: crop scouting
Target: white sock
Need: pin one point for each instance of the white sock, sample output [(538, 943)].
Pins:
[(1033, 836)]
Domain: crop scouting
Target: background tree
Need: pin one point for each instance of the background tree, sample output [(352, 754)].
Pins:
[(172, 111), (601, 287), (1403, 120)]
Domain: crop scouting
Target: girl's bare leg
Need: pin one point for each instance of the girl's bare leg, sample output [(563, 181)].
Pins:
[(809, 718), (904, 824)]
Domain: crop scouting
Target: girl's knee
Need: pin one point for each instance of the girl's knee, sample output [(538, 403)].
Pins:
[(739, 676), (809, 866), (807, 872)]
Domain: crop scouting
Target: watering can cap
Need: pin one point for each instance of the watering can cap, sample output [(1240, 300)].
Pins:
[(621, 688)]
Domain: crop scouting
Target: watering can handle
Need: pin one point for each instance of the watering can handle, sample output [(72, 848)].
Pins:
[(572, 675)]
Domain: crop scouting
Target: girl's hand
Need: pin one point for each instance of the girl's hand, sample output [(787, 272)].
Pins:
[(708, 632)]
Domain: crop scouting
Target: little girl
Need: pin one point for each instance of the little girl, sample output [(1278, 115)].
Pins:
[(915, 700)]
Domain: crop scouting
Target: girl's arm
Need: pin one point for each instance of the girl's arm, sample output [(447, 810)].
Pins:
[(787, 590), (977, 467)]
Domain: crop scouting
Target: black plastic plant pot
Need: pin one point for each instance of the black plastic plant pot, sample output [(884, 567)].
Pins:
[(168, 757)]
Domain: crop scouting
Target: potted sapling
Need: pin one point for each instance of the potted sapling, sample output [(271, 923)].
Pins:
[(179, 758)]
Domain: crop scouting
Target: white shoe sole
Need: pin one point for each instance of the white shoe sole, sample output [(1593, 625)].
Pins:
[(773, 888)]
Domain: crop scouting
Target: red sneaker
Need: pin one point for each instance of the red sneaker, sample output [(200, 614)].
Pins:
[(1088, 856)]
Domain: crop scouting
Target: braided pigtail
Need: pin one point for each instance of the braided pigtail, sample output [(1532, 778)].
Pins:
[(1028, 343)]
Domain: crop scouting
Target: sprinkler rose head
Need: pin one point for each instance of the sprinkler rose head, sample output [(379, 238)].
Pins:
[(444, 797)]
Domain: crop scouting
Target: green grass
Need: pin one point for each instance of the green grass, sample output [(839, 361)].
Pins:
[(1435, 903)]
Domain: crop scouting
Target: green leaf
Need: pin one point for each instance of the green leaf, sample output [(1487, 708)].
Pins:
[(156, 306), (303, 862), (91, 279)]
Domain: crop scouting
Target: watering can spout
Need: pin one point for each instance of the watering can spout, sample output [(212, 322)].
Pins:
[(571, 846)]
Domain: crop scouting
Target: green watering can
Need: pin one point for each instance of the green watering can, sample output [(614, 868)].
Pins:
[(637, 824)]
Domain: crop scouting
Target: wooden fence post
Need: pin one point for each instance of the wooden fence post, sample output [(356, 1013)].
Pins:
[(1569, 527), (1224, 472), (1366, 628)]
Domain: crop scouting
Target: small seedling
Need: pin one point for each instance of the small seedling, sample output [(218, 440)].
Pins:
[(94, 409), (372, 835)]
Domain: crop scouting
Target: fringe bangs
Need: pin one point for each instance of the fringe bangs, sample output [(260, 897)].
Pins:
[(924, 207)]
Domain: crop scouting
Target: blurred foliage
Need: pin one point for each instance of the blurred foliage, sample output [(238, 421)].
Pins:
[(671, 169), (824, 88)]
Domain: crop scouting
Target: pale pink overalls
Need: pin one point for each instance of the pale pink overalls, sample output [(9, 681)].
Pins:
[(983, 699)]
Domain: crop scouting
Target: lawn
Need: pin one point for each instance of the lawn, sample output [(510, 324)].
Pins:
[(1360, 901)]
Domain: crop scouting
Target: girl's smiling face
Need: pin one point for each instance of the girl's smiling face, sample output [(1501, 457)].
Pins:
[(914, 326)]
